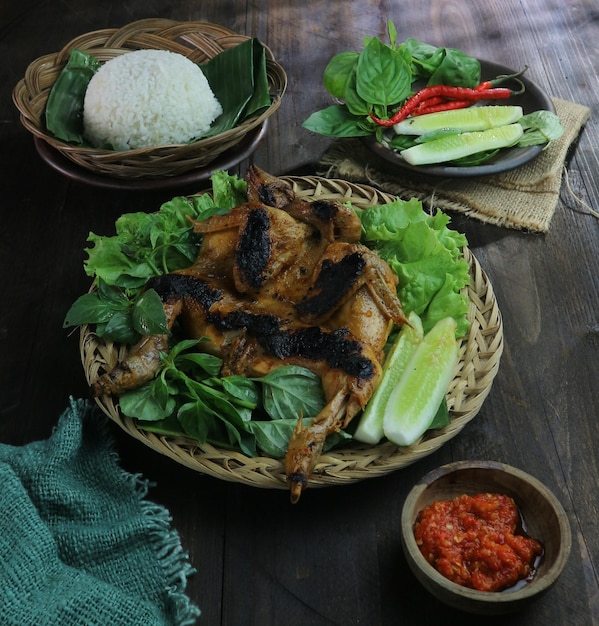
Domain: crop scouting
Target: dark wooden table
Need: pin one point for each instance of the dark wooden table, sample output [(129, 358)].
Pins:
[(335, 558)]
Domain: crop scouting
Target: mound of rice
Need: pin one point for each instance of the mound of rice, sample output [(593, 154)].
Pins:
[(148, 98)]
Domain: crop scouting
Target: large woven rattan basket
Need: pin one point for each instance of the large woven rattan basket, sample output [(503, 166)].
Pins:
[(479, 358), (199, 41)]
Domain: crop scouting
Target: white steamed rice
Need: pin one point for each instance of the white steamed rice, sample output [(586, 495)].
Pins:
[(148, 98)]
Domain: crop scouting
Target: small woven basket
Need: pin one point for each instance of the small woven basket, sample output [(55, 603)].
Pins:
[(199, 41), (479, 357)]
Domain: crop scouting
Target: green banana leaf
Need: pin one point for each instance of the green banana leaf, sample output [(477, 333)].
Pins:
[(237, 76), (64, 109)]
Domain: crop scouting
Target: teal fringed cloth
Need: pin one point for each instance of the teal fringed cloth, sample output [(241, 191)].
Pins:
[(79, 542)]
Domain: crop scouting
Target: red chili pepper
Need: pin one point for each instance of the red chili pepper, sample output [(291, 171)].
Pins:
[(445, 105), (429, 102), (444, 91), (489, 84)]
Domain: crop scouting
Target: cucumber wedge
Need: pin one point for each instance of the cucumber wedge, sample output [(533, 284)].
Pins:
[(461, 120), (413, 403), (452, 147), (370, 427)]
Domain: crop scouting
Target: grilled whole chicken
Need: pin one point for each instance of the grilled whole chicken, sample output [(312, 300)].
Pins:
[(278, 281)]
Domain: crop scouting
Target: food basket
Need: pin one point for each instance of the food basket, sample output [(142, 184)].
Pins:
[(199, 41), (479, 357)]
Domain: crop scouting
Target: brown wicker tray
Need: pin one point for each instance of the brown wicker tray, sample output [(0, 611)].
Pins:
[(199, 41), (480, 353)]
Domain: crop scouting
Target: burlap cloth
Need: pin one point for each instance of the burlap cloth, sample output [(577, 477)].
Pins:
[(524, 198)]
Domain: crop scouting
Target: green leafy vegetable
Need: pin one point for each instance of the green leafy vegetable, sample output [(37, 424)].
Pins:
[(237, 76), (188, 397), (338, 73), (337, 121), (378, 81), (425, 255), (383, 73), (145, 245), (292, 390), (443, 66), (540, 128), (64, 109)]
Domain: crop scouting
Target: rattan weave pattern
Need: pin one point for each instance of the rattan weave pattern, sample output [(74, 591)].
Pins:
[(199, 41), (480, 354)]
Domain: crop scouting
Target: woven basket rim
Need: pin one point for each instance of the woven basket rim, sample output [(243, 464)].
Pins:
[(479, 357), (31, 92)]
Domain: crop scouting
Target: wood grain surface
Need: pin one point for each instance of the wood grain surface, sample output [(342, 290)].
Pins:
[(335, 558)]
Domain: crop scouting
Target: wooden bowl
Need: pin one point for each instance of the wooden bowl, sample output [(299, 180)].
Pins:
[(544, 519), (199, 41)]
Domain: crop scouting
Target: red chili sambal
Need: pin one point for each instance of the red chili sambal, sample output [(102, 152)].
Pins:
[(477, 541)]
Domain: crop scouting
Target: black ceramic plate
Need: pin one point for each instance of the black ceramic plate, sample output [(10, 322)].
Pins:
[(226, 160), (533, 99)]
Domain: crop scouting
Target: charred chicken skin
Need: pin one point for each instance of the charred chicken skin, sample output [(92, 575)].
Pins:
[(278, 281)]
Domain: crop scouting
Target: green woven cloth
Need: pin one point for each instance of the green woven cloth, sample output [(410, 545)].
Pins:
[(79, 542)]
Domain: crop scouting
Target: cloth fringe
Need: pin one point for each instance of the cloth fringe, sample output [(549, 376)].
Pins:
[(169, 551)]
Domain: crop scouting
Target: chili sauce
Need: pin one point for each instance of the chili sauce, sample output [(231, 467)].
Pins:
[(477, 541)]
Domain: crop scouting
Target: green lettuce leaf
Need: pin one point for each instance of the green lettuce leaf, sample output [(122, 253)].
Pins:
[(425, 255)]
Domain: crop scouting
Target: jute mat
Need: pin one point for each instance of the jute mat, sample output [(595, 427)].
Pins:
[(524, 198)]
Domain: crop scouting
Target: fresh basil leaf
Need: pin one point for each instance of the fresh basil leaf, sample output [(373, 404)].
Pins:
[(202, 422), (422, 57), (148, 315), (292, 391), (400, 142), (208, 362), (392, 32), (151, 402), (443, 66), (169, 426), (119, 328), (88, 309), (179, 347), (383, 75), (456, 69), (272, 437), (336, 121), (196, 420), (242, 389), (338, 73), (354, 103), (476, 159)]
